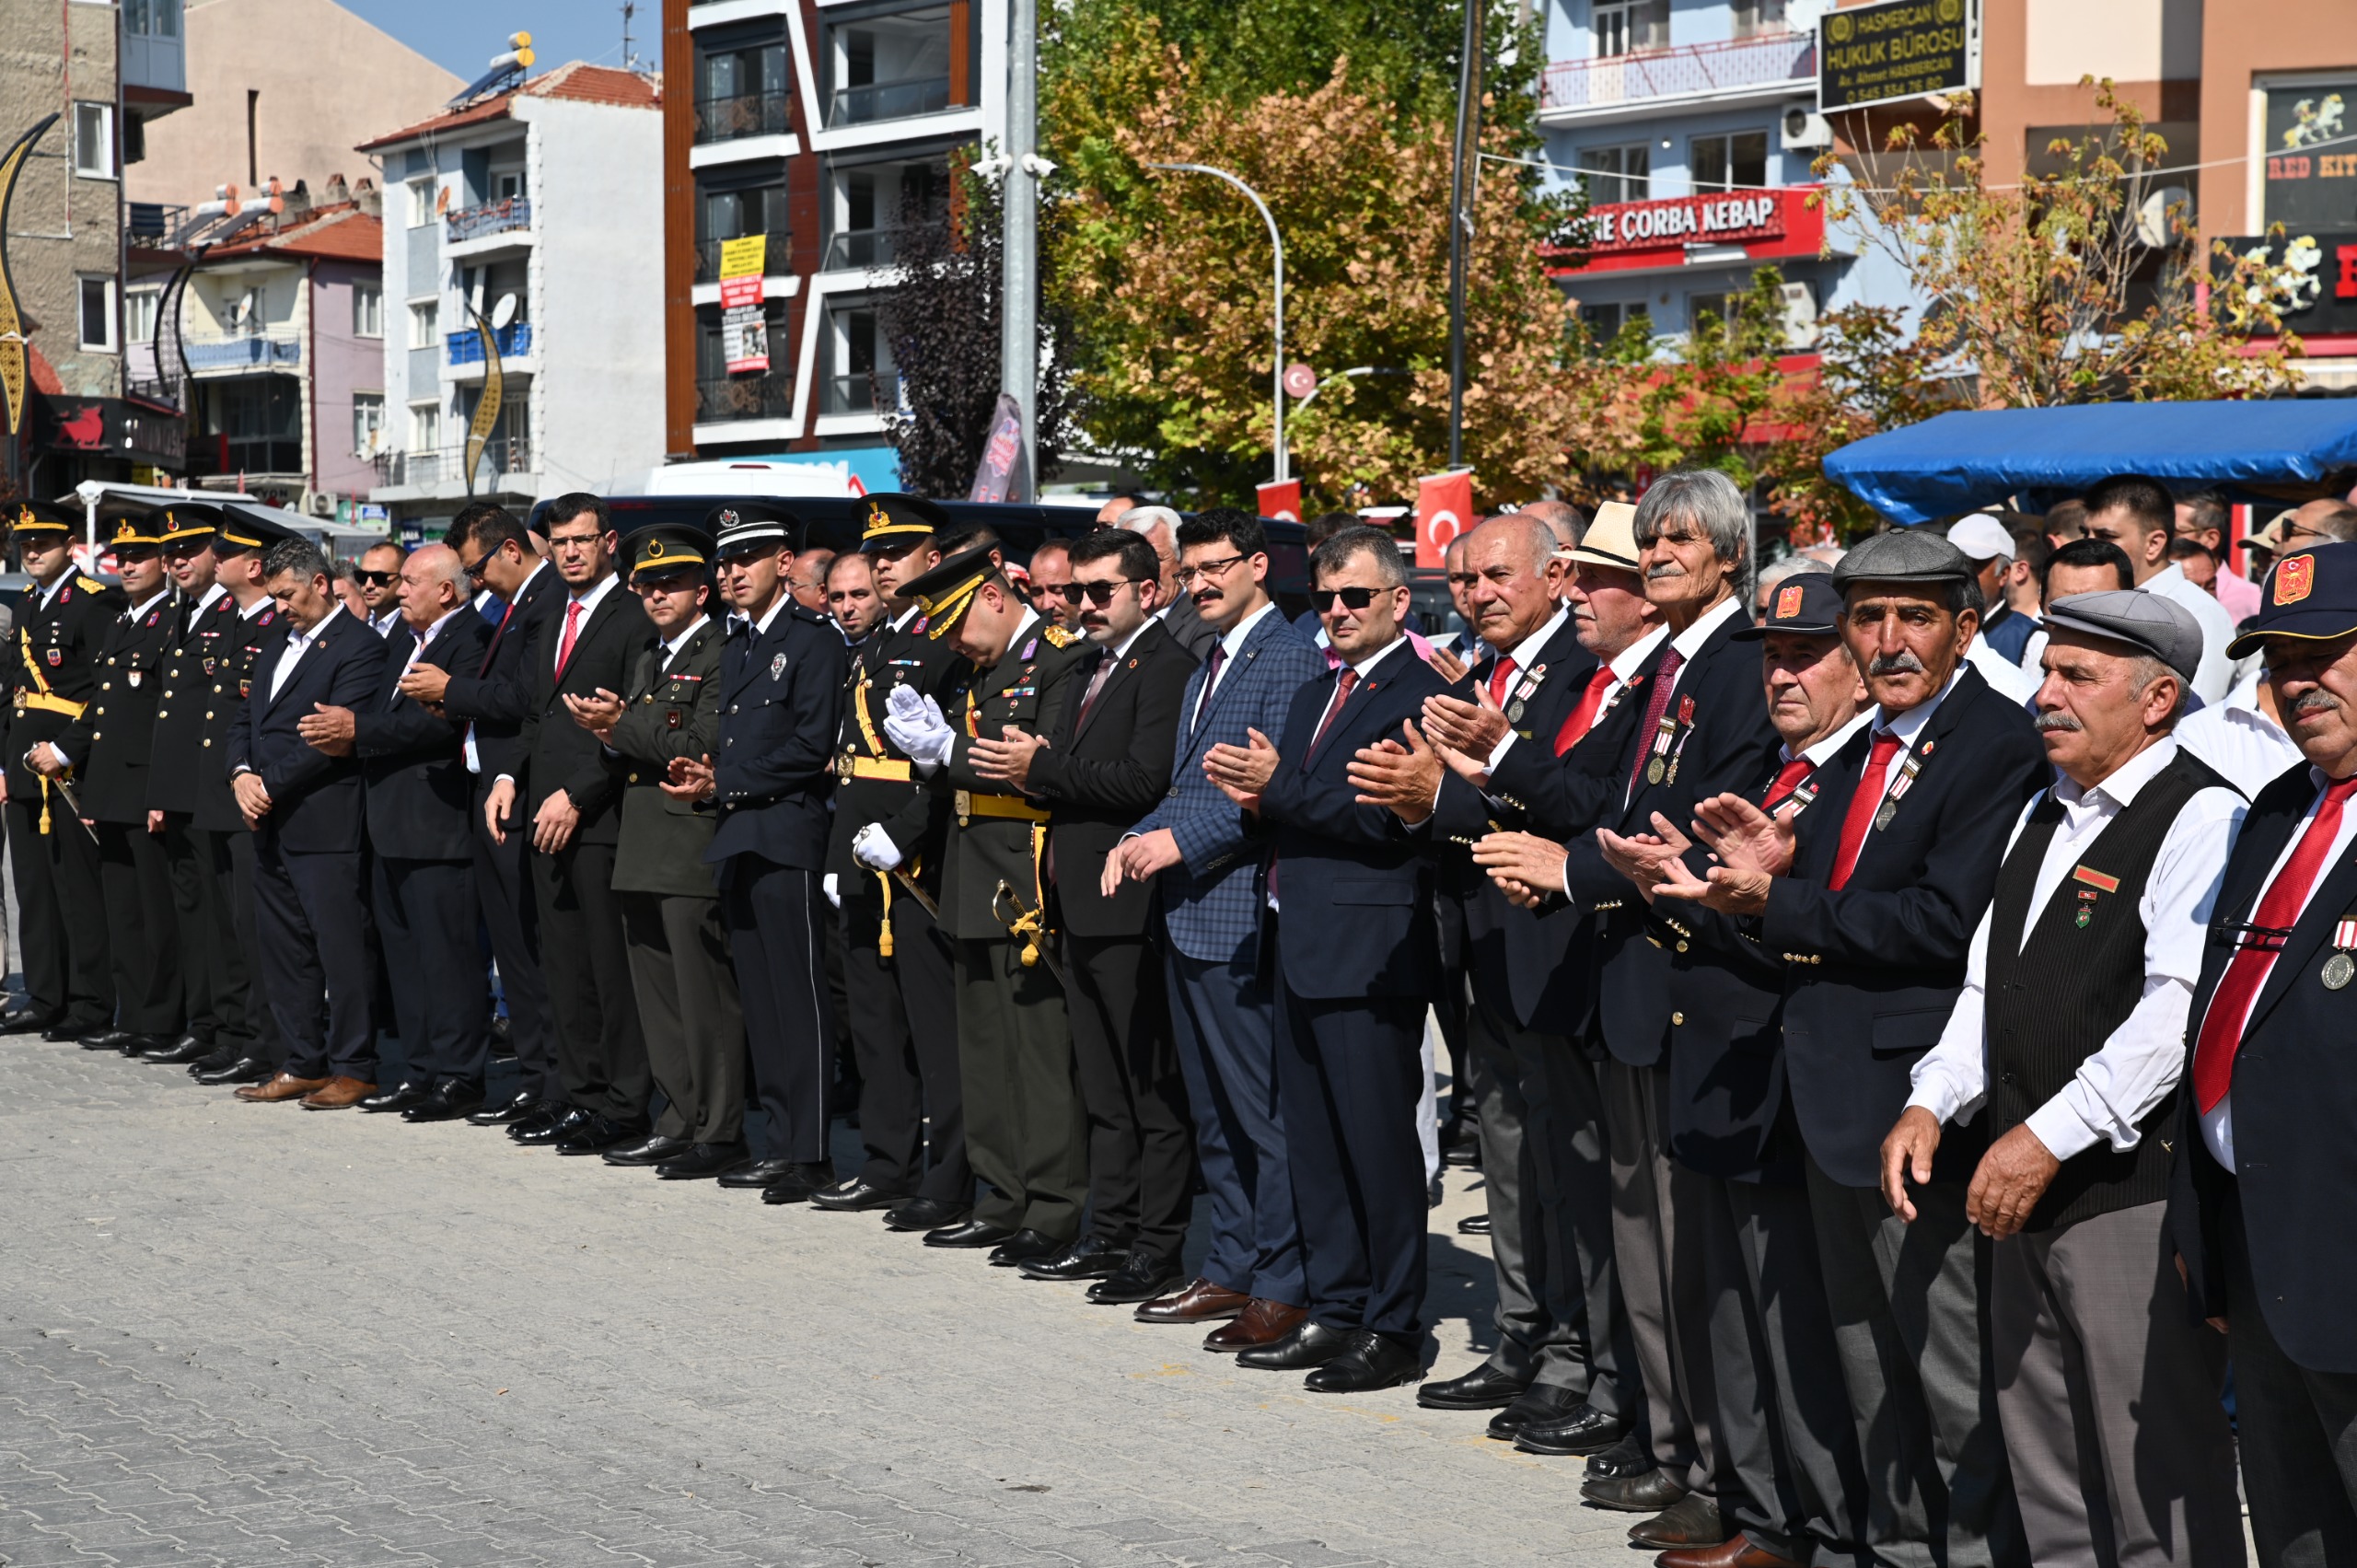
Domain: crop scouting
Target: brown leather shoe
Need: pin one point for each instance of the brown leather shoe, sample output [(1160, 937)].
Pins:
[(1736, 1553), (1262, 1323), (1199, 1302), (283, 1086), (338, 1095)]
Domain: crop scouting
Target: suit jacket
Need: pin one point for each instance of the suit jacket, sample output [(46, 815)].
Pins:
[(316, 800), (231, 676), (54, 669), (782, 694), (667, 714), (558, 754), (202, 640), (915, 820), (419, 796), (1185, 624), (2294, 1096), (1360, 885), (495, 691), (1211, 900), (110, 744), (1873, 971), (1100, 775)]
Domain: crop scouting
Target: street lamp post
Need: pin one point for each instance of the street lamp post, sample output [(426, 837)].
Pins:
[(1277, 245)]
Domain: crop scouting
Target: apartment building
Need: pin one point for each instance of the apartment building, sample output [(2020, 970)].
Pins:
[(538, 206), (802, 130)]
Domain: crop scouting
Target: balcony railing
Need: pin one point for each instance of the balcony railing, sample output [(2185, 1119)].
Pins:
[(465, 347), (1702, 70), (491, 217), (777, 258), (447, 465), (747, 114), (857, 249), (889, 100), (153, 224), (242, 351), (722, 398), (860, 393), (250, 454)]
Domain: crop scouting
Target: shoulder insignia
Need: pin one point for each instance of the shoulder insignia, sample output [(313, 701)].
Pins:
[(265, 618), (919, 623), (66, 592), (89, 585), (1060, 638), (1030, 651)]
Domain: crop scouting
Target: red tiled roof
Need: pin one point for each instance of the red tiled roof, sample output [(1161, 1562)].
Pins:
[(338, 233), (576, 81)]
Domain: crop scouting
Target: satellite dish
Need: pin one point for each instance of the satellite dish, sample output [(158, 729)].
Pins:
[(503, 313), (2154, 228)]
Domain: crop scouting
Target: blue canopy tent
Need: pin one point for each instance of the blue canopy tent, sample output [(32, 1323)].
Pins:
[(2280, 449)]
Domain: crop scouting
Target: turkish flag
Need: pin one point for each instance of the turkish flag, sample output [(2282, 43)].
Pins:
[(1281, 498), (1444, 510)]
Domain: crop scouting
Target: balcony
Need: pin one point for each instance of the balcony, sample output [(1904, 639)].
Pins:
[(153, 226), (256, 457), (855, 249), (747, 114), (724, 397), (1750, 67), (491, 217), (860, 393), (777, 258), (447, 465), (220, 353), (465, 347), (889, 100)]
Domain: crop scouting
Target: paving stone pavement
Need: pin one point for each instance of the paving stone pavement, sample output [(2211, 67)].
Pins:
[(254, 1335)]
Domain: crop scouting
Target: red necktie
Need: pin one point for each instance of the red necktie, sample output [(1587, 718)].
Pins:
[(1788, 779), (1345, 680), (1583, 717), (2221, 1026), (1500, 675), (572, 627), (1211, 679), (1864, 804), (1656, 705)]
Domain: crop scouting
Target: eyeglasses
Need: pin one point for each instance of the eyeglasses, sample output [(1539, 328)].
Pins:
[(375, 579), (1187, 575), (574, 540), (1322, 600), (1098, 594), (474, 569)]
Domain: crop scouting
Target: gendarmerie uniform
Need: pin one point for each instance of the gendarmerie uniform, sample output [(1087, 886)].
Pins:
[(108, 750), (53, 674)]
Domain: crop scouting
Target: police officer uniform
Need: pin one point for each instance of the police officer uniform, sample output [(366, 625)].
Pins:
[(53, 674)]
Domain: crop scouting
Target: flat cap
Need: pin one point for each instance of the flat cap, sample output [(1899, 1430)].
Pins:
[(2161, 627), (1804, 602), (1903, 555), (2311, 598)]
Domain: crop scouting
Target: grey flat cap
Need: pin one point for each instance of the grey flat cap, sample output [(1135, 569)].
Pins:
[(1903, 555), (2161, 627)]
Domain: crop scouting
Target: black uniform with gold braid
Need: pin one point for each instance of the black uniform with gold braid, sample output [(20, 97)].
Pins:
[(1025, 1132), (52, 675)]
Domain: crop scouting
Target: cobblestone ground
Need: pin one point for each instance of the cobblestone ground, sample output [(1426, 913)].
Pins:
[(238, 1334)]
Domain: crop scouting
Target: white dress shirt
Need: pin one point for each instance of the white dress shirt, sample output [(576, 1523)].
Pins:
[(2218, 1126), (1232, 646), (49, 594), (383, 625), (2215, 675), (139, 610), (297, 645), (205, 602), (671, 648), (417, 644), (2009, 680), (1906, 726), (2141, 1060), (762, 627), (2239, 740), (588, 603), (1624, 666), (1820, 752)]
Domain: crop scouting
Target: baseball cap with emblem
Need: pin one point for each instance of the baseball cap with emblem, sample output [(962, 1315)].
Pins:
[(189, 525), (664, 548), (1807, 603), (1610, 540), (1903, 555), (948, 588), (2161, 627), (2311, 596), (736, 527), (894, 521), (40, 517), (1981, 537), (243, 532)]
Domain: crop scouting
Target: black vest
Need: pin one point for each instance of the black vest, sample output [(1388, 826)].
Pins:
[(2054, 1000)]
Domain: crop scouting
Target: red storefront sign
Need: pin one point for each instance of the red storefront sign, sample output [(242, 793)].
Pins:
[(1766, 223)]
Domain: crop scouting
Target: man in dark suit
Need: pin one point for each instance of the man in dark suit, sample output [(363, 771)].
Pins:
[(2263, 1166), (493, 695), (1195, 848), (1357, 968), (1105, 766), (569, 801), (420, 803), (306, 813)]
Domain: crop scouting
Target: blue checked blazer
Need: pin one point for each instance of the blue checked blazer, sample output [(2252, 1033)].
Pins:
[(1211, 900)]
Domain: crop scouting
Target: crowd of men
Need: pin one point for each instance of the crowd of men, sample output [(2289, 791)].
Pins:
[(1896, 999)]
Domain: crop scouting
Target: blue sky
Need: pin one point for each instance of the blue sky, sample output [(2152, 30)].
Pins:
[(462, 35)]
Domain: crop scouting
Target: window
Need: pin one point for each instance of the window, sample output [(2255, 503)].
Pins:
[(1629, 26), (1617, 174), (93, 140), (367, 424), (507, 184), (424, 323), (888, 67), (734, 206), (1738, 162), (1603, 321), (860, 375), (139, 315), (152, 18), (741, 82), (368, 310), (97, 314), (421, 203), (425, 427), (1755, 17)]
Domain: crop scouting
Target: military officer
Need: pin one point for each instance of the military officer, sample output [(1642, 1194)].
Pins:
[(1024, 1129), (60, 621)]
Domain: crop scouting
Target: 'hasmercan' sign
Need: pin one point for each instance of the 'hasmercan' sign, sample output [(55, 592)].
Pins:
[(1902, 49)]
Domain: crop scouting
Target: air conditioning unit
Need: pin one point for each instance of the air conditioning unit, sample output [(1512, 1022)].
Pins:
[(1800, 315), (322, 505), (1806, 131)]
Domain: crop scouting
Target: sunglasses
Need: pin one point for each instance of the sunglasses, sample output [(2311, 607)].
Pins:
[(377, 579), (1322, 600), (1098, 594)]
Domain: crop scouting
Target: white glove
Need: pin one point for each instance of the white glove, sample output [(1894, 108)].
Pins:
[(834, 894), (917, 727), (873, 848)]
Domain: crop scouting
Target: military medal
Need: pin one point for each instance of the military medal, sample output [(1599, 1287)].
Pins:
[(777, 666), (2340, 969), (132, 678), (1899, 788), (845, 763), (1514, 711)]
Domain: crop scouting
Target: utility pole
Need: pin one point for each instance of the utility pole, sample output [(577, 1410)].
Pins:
[(1466, 180), (1019, 289)]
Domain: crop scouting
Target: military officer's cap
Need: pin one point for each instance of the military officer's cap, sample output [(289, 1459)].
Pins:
[(946, 591), (1803, 603), (665, 548), (895, 521), (1903, 555), (130, 528), (244, 530), (2311, 598), (737, 526), (40, 517), (188, 523)]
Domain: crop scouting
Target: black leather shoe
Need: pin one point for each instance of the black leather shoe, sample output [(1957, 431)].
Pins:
[(1647, 1491), (1540, 1402), (799, 1182), (244, 1070), (1090, 1258), (653, 1149), (1474, 1224), (214, 1061), (398, 1098), (1582, 1429), (700, 1162), (504, 1114), (1310, 1344), (18, 1019), (1628, 1456), (63, 1034), (1373, 1362), (1691, 1521), (1143, 1277), (178, 1052), (448, 1102), (1023, 1247), (563, 1123), (107, 1039), (927, 1213), (855, 1194), (756, 1173), (599, 1134), (1483, 1388), (139, 1045), (969, 1233)]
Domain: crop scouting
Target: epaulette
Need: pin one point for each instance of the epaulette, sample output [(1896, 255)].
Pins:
[(265, 618), (1060, 638), (89, 585)]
